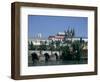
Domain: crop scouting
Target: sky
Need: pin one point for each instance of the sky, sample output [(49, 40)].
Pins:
[(51, 25)]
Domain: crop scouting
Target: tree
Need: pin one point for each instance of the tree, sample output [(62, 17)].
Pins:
[(32, 47), (40, 47), (65, 53), (58, 46), (51, 45), (77, 49), (43, 46)]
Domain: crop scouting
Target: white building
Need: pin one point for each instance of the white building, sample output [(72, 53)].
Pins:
[(60, 36)]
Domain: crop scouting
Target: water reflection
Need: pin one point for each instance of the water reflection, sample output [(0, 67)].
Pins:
[(58, 62)]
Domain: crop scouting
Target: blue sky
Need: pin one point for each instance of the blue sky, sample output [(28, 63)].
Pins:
[(51, 25)]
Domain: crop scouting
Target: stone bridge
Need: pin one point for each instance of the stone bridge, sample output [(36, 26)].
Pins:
[(44, 56), (43, 52)]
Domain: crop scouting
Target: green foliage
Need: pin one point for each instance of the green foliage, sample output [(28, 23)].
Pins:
[(77, 49), (42, 47), (72, 51), (65, 53), (57, 45), (31, 46), (51, 45)]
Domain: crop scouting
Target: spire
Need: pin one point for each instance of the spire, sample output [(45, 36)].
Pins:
[(73, 32), (68, 30)]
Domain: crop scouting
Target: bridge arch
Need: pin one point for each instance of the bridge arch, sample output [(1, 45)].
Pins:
[(35, 57), (47, 56), (57, 56)]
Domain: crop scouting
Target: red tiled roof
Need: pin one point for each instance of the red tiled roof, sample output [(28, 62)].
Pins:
[(56, 37), (50, 37), (59, 37)]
